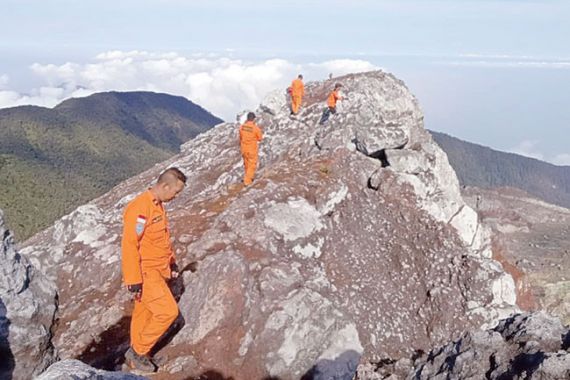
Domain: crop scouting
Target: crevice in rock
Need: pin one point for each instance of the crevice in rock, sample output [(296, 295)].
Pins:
[(370, 186), (566, 341), (526, 363), (492, 367), (455, 214), (381, 156), (474, 235)]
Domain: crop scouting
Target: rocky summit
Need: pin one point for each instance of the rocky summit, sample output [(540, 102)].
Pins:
[(352, 245)]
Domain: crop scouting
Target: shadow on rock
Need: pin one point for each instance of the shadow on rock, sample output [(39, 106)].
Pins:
[(343, 367), (7, 363), (566, 341), (524, 364), (215, 375), (107, 351)]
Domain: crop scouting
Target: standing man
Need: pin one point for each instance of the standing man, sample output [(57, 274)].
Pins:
[(297, 93), (147, 262), (331, 103), (249, 136)]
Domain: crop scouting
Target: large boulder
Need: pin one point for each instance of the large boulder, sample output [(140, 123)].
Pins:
[(353, 242), (27, 309)]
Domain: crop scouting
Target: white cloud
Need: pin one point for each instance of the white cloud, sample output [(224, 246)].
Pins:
[(528, 148), (222, 85)]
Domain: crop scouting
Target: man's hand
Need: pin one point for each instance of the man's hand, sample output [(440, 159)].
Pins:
[(136, 289), (174, 272)]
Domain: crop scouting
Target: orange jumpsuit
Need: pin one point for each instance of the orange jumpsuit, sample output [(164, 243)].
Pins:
[(249, 135), (146, 258), (297, 93), (332, 99)]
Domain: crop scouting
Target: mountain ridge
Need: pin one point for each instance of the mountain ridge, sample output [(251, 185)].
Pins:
[(54, 159), (481, 166)]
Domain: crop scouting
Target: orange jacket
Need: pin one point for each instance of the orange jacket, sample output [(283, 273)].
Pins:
[(249, 135), (297, 88), (333, 97), (146, 239)]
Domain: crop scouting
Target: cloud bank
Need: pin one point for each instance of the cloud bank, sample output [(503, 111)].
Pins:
[(530, 148), (222, 85)]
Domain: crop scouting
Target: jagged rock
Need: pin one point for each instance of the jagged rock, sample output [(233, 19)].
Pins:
[(526, 346), (331, 255), (76, 370), (27, 309)]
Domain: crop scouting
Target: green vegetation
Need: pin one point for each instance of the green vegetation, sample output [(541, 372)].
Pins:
[(480, 166), (53, 160)]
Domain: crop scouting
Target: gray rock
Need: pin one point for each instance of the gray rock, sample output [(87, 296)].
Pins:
[(76, 370), (526, 346), (27, 309)]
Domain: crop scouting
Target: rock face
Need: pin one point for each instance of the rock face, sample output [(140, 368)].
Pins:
[(533, 243), (353, 242), (27, 309), (526, 346), (76, 370)]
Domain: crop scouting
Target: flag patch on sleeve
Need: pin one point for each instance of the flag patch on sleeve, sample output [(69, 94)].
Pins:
[(141, 221)]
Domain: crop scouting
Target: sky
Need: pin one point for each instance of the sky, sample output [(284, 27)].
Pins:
[(495, 73)]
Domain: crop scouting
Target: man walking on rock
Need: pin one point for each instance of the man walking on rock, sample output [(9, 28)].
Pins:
[(147, 262), (297, 93), (249, 137), (331, 103)]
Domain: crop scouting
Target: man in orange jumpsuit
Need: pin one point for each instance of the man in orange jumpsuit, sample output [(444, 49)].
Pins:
[(147, 262), (331, 103), (249, 136), (297, 93)]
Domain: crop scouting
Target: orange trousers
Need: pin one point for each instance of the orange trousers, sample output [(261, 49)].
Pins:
[(250, 164), (296, 103), (153, 314)]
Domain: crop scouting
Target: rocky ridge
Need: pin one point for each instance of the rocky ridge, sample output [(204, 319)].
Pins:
[(353, 242), (532, 240), (28, 304), (524, 346)]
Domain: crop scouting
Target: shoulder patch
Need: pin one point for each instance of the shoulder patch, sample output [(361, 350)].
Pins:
[(139, 227)]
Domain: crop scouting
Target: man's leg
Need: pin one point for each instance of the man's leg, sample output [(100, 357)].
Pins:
[(251, 166), (141, 317), (325, 117), (296, 103), (245, 167), (158, 300)]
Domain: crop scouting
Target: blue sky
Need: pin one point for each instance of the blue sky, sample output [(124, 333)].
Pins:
[(492, 72)]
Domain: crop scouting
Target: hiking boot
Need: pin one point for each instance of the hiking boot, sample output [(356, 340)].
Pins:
[(140, 362)]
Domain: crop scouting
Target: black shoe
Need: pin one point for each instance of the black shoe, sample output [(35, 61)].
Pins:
[(139, 362)]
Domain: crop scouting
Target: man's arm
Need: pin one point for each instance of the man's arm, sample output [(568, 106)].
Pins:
[(135, 221), (259, 134)]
